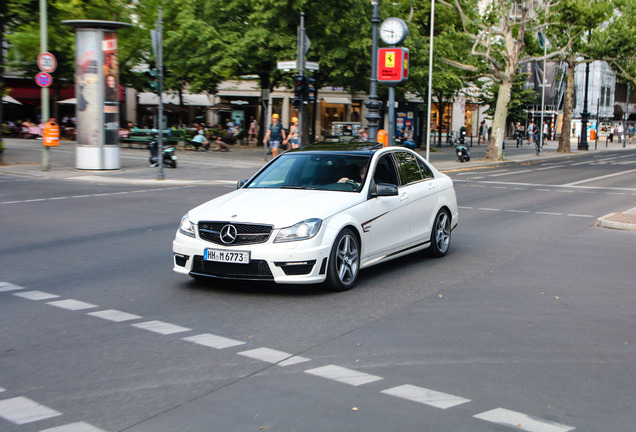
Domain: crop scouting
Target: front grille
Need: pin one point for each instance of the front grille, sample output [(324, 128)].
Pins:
[(246, 233), (256, 269)]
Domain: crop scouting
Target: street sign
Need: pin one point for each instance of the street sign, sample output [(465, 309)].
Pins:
[(47, 62), (292, 64), (43, 79)]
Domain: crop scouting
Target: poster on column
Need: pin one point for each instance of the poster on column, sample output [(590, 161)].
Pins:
[(111, 89), (87, 81)]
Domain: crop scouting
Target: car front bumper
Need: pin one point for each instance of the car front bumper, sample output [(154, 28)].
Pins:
[(298, 262)]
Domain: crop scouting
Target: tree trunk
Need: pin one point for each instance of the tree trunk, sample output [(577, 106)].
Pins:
[(564, 139), (495, 144)]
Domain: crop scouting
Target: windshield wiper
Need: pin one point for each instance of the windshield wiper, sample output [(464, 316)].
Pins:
[(292, 187)]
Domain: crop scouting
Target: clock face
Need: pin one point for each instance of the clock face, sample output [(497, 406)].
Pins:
[(393, 31)]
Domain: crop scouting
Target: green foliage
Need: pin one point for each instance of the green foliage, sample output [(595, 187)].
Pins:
[(520, 98)]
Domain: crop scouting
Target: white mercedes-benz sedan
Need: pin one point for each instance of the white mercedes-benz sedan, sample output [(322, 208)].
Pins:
[(320, 214)]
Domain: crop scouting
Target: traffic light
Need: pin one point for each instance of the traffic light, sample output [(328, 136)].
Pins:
[(152, 77), (300, 90), (311, 90)]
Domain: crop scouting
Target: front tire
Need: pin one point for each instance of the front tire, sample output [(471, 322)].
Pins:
[(440, 235), (344, 262)]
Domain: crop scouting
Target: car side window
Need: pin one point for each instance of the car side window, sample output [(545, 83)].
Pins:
[(408, 168), (425, 169), (385, 171)]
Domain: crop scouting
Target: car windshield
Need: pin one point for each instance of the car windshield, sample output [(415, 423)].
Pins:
[(319, 171)]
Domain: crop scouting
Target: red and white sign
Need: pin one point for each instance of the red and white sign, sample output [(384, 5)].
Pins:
[(43, 79), (47, 62), (393, 65)]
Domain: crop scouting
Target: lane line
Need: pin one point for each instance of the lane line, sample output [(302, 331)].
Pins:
[(21, 410), (213, 341), (521, 421), (511, 173), (343, 375), (35, 295), (72, 304), (273, 356), (161, 327), (600, 178), (425, 396), (114, 315)]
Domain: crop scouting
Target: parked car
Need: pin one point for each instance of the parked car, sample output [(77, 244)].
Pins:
[(320, 214)]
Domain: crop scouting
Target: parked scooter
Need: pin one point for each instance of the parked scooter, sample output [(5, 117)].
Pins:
[(169, 158), (462, 150)]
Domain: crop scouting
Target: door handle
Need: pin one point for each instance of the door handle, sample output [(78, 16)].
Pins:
[(404, 196), (431, 186)]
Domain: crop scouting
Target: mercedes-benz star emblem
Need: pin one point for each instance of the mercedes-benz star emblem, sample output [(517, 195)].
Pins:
[(228, 234)]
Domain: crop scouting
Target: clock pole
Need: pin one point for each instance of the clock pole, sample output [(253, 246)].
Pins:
[(373, 104)]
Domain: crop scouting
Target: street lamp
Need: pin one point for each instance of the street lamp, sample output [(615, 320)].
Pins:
[(430, 84), (585, 115)]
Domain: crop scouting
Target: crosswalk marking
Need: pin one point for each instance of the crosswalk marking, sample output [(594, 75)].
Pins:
[(213, 341), (6, 287), (425, 396), (114, 315), (161, 327), (273, 356), (71, 304), (521, 421), (22, 410), (343, 375), (74, 427), (35, 295)]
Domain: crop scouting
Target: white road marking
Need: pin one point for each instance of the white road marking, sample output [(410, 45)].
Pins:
[(21, 410), (35, 295), (521, 421), (72, 304), (489, 209), (6, 286), (518, 211), (213, 341), (600, 178), (579, 215), (343, 375), (273, 356), (425, 396), (114, 315), (161, 327), (74, 427), (549, 213), (2, 389), (511, 173)]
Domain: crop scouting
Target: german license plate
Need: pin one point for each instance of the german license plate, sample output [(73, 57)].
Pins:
[(236, 257)]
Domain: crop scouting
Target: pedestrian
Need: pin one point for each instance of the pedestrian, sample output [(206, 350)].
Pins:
[(251, 133), (483, 130), (220, 145), (611, 133), (531, 128), (619, 132), (630, 131), (292, 138), (199, 140), (275, 134), (546, 131)]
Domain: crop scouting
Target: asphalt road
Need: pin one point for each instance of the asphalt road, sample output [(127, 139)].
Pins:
[(527, 324)]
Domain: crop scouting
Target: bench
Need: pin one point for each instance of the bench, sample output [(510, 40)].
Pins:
[(140, 138)]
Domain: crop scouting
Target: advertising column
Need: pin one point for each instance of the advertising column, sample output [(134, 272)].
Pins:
[(98, 94)]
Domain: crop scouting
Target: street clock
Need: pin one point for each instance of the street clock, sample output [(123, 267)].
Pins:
[(393, 31)]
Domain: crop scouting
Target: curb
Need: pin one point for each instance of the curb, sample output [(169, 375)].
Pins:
[(626, 220)]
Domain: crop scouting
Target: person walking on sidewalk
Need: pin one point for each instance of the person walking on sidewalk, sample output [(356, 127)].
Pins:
[(275, 134)]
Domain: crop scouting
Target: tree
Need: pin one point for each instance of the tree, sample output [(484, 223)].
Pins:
[(498, 37)]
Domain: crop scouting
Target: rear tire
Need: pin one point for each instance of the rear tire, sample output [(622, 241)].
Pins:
[(440, 235), (344, 262)]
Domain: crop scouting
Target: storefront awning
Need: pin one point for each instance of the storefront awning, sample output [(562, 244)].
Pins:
[(336, 100), (9, 99), (188, 99)]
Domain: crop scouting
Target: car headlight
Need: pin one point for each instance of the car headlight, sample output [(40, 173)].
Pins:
[(301, 231), (187, 227)]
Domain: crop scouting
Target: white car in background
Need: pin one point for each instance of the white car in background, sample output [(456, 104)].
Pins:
[(320, 214)]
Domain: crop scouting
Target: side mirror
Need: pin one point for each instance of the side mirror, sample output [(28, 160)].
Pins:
[(241, 183), (385, 189)]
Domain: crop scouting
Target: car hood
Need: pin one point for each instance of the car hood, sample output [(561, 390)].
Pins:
[(278, 207)]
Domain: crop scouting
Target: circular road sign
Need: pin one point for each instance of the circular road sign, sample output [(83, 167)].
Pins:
[(43, 79), (47, 62)]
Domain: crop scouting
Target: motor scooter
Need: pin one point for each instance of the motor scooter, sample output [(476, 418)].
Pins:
[(462, 150), (169, 158)]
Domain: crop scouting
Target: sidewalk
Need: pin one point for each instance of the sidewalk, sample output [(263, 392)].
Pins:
[(23, 157)]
